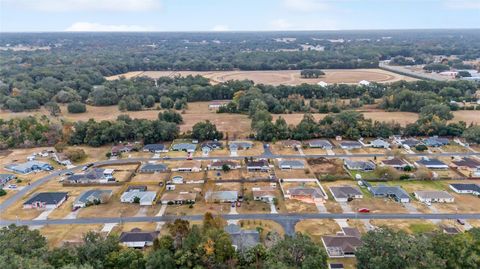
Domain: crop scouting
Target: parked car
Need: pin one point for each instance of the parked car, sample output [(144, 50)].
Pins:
[(364, 210), (12, 186), (461, 221)]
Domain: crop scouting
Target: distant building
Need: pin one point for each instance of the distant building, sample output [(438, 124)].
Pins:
[(434, 197), (431, 163), (320, 143), (94, 175), (343, 244), (214, 105), (153, 168), (291, 143), (436, 141), (345, 193), (305, 194), (396, 163), (218, 165), (291, 164), (265, 194), (144, 197), (240, 145), (359, 165), (394, 192), (46, 200), (61, 158), (380, 143), (92, 196), (364, 82), (187, 166), (178, 198), (470, 164), (136, 238), (349, 145), (187, 147), (411, 143), (242, 240), (221, 196), (28, 167), (466, 188), (121, 148), (5, 178), (155, 148), (258, 165)]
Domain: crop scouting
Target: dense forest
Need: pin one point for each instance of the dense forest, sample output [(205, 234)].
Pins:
[(208, 246)]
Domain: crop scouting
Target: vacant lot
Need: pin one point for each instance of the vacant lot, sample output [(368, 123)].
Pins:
[(277, 77), (317, 228)]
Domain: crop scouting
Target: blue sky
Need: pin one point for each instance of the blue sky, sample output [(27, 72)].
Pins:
[(235, 15)]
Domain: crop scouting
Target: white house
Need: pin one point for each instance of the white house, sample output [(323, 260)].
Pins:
[(434, 197), (146, 197)]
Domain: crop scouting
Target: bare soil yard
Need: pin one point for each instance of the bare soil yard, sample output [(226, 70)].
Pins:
[(287, 77), (317, 228)]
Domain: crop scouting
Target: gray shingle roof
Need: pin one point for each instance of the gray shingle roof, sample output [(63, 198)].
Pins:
[(49, 198)]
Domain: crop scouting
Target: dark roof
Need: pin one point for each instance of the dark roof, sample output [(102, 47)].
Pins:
[(242, 239), (92, 174), (136, 235), (394, 162), (212, 144), (351, 231), (344, 242), (154, 147), (345, 191), (136, 187), (336, 266), (451, 230), (396, 191), (257, 163), (428, 162), (411, 142), (467, 162), (50, 198), (466, 187), (6, 177), (154, 167), (350, 143), (222, 162)]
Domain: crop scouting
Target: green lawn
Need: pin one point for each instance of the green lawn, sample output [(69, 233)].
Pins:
[(422, 227)]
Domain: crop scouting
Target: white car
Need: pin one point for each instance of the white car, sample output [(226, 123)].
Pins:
[(12, 186)]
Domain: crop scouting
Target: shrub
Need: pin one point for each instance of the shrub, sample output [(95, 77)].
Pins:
[(2, 192), (76, 107)]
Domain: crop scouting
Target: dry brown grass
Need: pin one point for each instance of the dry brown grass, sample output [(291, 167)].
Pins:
[(288, 77), (317, 228), (295, 206), (266, 225), (409, 226), (57, 235)]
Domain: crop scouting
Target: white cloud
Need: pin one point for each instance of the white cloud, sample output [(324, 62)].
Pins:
[(280, 24), (220, 28), (306, 5), (98, 27), (85, 5), (462, 4)]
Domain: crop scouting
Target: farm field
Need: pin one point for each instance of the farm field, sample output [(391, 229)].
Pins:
[(277, 77)]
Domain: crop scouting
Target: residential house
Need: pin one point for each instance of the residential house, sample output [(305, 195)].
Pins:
[(155, 148), (28, 167), (136, 188), (187, 147), (4, 178), (291, 164), (46, 200), (264, 194), (92, 197), (466, 188), (212, 145), (214, 105), (434, 197), (136, 238), (61, 158), (240, 145), (436, 141), (221, 196), (218, 165), (396, 163), (121, 148), (431, 163), (153, 168), (450, 230), (258, 165), (470, 164), (410, 143), (380, 143), (242, 240), (359, 165), (94, 175), (305, 194), (144, 197), (343, 244), (178, 198), (291, 143), (349, 145), (394, 192), (345, 193), (320, 143), (187, 166)]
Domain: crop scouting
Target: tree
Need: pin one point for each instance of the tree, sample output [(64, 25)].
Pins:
[(436, 67), (472, 134), (225, 167), (170, 116), (76, 107), (298, 251), (206, 131), (53, 108), (2, 192), (125, 258), (96, 248), (441, 111), (160, 259), (166, 102)]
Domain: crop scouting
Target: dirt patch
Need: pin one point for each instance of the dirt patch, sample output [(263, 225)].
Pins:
[(277, 77), (317, 228), (326, 168)]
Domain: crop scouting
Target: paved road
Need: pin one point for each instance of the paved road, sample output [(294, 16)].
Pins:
[(267, 154), (288, 221)]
